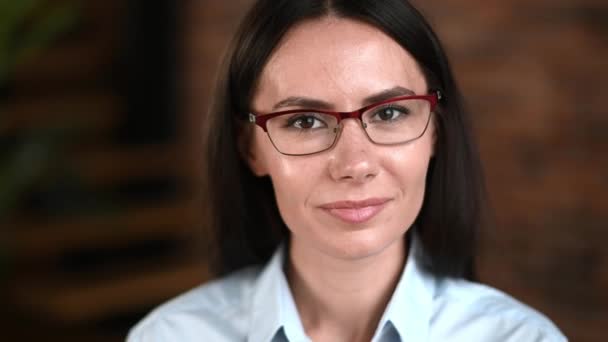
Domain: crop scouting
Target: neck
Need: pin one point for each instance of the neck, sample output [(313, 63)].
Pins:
[(343, 299)]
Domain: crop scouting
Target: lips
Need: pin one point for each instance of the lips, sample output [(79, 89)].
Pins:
[(355, 211)]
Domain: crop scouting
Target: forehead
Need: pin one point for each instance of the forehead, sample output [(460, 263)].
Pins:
[(337, 60)]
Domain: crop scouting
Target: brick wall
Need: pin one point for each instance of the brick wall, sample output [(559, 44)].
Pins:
[(533, 75)]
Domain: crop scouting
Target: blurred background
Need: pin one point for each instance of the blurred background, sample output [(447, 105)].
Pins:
[(101, 103)]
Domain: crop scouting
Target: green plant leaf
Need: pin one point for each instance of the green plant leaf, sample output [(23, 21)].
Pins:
[(12, 17), (14, 13), (58, 20), (21, 169), (18, 42)]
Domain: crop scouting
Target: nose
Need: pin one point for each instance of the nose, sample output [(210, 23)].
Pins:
[(353, 158)]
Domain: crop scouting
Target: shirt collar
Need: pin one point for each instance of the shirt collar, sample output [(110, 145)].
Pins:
[(408, 311), (273, 308), (410, 307)]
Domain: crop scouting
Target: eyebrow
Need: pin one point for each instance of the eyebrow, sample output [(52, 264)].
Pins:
[(307, 102)]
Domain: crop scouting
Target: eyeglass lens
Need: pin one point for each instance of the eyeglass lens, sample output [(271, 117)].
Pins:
[(310, 132)]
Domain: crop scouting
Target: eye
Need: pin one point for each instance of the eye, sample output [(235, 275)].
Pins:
[(391, 113), (305, 121)]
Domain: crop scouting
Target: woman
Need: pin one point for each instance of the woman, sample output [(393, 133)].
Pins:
[(344, 189)]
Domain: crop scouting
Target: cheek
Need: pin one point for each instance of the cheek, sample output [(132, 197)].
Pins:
[(409, 166), (294, 185), (292, 177)]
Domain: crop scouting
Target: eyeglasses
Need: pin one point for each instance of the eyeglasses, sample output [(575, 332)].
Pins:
[(307, 131)]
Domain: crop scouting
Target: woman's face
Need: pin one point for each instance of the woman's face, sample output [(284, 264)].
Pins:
[(357, 198)]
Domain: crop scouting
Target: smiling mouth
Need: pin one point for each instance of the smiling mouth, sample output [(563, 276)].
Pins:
[(355, 211)]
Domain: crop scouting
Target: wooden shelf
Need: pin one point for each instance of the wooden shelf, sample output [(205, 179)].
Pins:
[(74, 301), (66, 64), (108, 165), (36, 239), (95, 110)]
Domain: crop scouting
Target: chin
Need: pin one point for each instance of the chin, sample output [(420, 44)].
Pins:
[(360, 245)]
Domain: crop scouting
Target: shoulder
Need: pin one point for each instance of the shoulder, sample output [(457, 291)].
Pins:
[(466, 310), (217, 309)]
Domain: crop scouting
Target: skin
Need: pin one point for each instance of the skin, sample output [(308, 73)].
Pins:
[(342, 274)]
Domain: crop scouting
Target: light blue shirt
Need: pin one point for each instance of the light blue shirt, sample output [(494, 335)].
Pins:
[(256, 305)]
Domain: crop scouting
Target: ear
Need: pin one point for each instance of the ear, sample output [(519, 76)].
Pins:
[(248, 149)]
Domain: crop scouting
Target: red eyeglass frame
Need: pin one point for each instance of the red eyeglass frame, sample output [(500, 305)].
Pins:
[(262, 119)]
